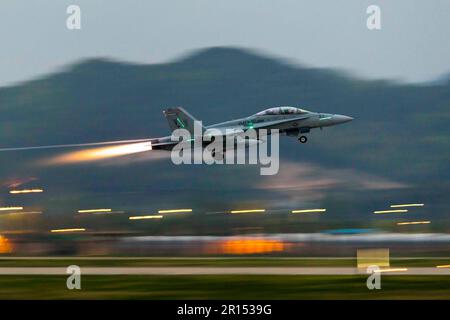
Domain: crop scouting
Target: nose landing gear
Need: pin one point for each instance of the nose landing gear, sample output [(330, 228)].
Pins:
[(302, 139)]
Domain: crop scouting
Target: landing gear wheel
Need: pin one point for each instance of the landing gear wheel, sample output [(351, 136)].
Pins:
[(302, 139)]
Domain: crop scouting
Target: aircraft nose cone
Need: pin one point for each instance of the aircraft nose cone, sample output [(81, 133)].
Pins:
[(338, 118)]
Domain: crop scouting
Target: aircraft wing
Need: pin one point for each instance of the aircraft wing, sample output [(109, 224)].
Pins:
[(238, 129)]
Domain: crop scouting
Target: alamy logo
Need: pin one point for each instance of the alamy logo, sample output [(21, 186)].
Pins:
[(374, 280), (74, 280), (226, 146), (73, 21), (374, 19)]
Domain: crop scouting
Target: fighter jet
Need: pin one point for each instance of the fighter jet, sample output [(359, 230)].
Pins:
[(290, 121)]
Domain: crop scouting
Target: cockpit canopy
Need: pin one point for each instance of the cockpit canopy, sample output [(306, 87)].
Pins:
[(281, 111)]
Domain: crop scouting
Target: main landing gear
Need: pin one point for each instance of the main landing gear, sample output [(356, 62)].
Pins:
[(302, 139)]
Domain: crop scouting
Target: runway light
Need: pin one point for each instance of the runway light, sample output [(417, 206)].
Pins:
[(21, 213), (26, 191), (11, 208), (175, 211), (145, 217), (308, 210), (94, 210), (391, 270), (101, 213), (391, 211), (444, 266), (413, 222), (407, 205), (68, 230), (374, 256), (250, 246), (248, 211), (5, 245)]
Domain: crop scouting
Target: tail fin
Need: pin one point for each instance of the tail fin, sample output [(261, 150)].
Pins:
[(179, 118)]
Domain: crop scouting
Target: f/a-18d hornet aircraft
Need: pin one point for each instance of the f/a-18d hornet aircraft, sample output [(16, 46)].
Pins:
[(291, 121)]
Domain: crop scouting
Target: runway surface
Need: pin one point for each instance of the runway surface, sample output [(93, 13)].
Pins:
[(220, 271)]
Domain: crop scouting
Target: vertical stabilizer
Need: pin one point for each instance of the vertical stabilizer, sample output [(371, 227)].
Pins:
[(179, 118)]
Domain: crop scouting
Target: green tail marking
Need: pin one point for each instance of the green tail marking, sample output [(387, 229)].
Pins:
[(180, 122)]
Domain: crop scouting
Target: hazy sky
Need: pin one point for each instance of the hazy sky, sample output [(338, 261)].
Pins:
[(413, 44)]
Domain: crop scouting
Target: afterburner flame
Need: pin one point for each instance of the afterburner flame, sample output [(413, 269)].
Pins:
[(100, 153)]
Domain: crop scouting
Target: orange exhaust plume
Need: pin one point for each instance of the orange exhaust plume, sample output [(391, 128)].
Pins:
[(100, 153)]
